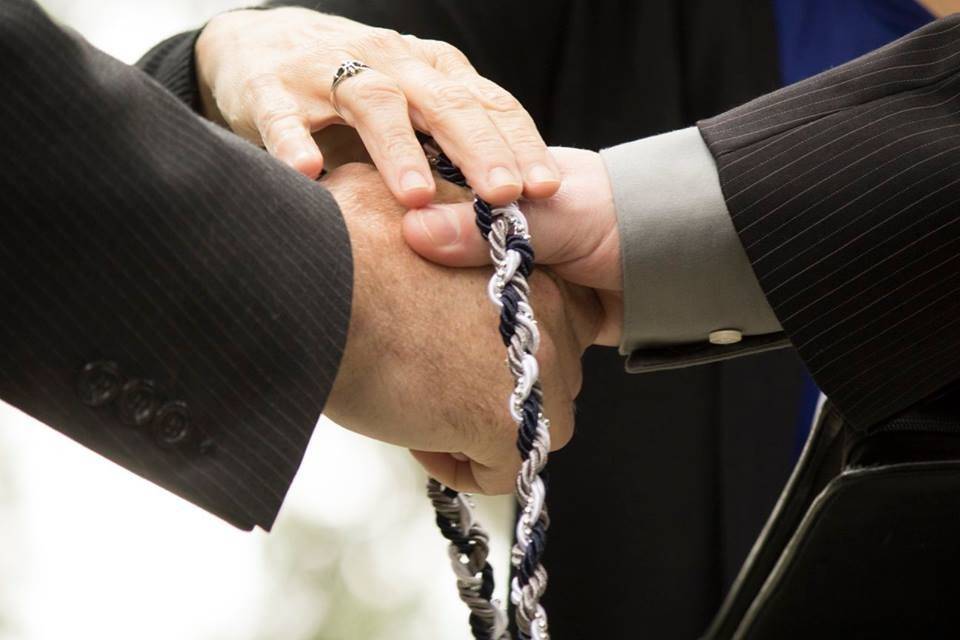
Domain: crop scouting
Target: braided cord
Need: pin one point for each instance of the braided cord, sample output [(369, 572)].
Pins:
[(468, 550), (505, 228)]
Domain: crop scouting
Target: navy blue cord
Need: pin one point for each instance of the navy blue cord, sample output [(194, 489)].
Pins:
[(531, 410), (461, 540)]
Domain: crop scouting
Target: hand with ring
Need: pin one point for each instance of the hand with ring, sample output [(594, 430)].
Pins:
[(269, 76)]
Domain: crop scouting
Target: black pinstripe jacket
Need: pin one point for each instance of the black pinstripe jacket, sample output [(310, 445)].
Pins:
[(171, 297), (845, 190)]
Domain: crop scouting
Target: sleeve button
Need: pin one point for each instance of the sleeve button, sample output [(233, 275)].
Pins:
[(99, 383), (171, 425), (725, 336), (138, 402)]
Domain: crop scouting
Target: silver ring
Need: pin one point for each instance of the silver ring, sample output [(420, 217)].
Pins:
[(347, 69)]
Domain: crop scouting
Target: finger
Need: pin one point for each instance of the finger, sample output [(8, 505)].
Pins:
[(461, 126), (581, 315), (611, 326), (470, 476), (466, 475), (541, 176), (587, 314), (374, 104), (558, 407), (444, 57), (447, 470), (282, 127), (289, 141), (447, 234), (558, 355)]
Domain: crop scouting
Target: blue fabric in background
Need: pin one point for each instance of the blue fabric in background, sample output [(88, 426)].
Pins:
[(815, 35)]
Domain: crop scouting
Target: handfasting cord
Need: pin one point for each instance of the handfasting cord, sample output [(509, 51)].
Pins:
[(505, 228)]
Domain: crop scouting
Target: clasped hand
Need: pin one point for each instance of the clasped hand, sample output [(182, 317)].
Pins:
[(424, 367)]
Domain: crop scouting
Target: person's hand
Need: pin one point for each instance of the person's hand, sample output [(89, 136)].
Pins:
[(424, 366), (267, 75), (574, 232)]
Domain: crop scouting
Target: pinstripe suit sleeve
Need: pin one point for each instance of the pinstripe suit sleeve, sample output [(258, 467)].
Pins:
[(844, 190), (172, 63), (173, 298)]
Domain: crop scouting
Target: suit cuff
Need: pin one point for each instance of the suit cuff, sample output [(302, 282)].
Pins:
[(172, 64), (685, 273)]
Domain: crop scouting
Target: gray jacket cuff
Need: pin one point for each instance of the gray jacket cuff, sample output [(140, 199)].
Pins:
[(685, 273)]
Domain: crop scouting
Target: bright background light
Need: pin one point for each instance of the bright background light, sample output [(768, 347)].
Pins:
[(91, 551)]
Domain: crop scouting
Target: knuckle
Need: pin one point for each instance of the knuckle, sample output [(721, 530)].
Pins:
[(448, 98), (258, 85), (450, 50), (485, 142), (398, 143), (525, 138), (444, 52), (377, 39), (276, 118), (238, 118), (376, 92), (495, 98), (269, 103), (449, 53)]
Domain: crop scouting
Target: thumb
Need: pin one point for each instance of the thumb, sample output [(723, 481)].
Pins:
[(446, 234)]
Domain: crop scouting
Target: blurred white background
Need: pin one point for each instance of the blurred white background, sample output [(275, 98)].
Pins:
[(90, 551)]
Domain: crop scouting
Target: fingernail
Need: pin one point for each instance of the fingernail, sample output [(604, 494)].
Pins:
[(440, 224), (539, 173), (502, 177), (413, 181)]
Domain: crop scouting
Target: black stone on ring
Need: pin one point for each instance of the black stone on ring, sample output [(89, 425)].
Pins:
[(347, 69)]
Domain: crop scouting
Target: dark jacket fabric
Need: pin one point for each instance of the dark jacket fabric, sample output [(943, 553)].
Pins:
[(844, 191), (674, 471), (172, 298)]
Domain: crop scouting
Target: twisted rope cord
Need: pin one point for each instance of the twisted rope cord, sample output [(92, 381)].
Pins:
[(505, 228), (468, 550)]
